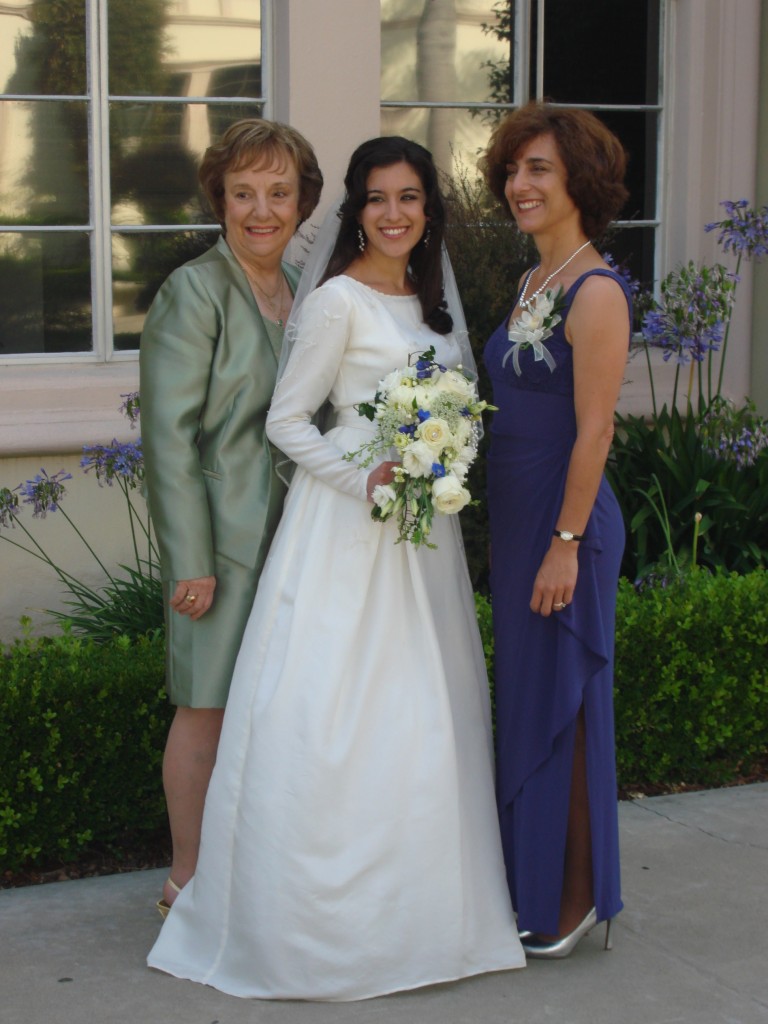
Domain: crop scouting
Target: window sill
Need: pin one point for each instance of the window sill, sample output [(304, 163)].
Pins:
[(59, 408)]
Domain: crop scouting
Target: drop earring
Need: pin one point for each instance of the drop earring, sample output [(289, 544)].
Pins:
[(425, 238), (360, 239)]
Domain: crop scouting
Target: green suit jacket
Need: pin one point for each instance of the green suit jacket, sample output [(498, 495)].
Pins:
[(207, 372)]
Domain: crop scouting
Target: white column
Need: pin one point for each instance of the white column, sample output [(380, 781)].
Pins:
[(712, 69)]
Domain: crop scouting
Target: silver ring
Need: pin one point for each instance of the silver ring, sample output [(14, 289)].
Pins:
[(559, 607)]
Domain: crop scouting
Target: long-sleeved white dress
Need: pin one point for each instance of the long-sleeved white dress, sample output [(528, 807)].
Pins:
[(350, 842)]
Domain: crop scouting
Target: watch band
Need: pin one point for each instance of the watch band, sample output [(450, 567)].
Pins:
[(567, 536)]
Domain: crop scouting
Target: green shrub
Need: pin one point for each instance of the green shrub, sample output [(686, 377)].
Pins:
[(691, 680), (82, 730)]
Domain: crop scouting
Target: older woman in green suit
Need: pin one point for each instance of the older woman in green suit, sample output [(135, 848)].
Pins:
[(208, 359)]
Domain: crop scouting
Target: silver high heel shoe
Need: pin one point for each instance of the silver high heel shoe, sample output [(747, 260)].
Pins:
[(558, 949)]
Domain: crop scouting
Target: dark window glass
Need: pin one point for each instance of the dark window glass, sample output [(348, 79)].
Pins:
[(45, 298), (140, 263)]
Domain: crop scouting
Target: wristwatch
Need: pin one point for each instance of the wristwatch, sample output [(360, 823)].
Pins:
[(567, 536)]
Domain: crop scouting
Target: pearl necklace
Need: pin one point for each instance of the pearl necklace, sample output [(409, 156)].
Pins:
[(525, 303)]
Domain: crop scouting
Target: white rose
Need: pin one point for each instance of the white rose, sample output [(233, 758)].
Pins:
[(448, 495), (455, 383), (418, 459), (435, 433)]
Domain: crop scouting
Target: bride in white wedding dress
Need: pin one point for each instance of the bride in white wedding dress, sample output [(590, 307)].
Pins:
[(350, 842)]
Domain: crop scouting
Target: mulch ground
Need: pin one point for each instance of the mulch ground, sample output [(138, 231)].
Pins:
[(94, 863)]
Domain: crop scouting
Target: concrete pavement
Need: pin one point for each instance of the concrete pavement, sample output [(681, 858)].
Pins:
[(691, 946)]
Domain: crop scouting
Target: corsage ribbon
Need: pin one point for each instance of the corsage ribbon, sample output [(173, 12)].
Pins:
[(540, 351)]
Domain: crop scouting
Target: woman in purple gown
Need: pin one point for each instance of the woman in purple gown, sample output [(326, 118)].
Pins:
[(557, 537)]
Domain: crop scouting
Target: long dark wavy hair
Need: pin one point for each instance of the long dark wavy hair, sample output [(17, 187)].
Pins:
[(424, 263)]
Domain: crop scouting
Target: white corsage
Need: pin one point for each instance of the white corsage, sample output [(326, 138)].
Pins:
[(532, 328)]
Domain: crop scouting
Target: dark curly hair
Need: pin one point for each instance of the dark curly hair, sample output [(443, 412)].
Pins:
[(424, 263), (594, 159), (254, 139)]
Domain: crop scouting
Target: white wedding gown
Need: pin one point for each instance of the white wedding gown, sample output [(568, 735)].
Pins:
[(350, 842)]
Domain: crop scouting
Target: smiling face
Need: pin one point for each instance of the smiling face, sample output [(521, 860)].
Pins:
[(536, 187), (393, 217), (261, 211)]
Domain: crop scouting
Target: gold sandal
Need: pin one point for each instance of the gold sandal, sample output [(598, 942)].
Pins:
[(162, 905)]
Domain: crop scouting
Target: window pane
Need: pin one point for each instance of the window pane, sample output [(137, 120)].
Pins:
[(633, 248), (638, 134), (455, 137), (42, 47), (45, 301), (583, 62), (437, 50), (187, 48), (44, 162), (140, 264), (154, 150)]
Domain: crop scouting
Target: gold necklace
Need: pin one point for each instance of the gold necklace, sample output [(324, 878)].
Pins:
[(275, 313)]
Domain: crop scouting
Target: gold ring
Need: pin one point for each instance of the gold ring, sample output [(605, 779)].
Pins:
[(191, 598)]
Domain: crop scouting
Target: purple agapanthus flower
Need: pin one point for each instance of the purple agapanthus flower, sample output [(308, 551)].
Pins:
[(744, 231), (9, 506), (407, 428), (691, 318), (623, 271), (131, 407), (423, 414), (731, 434), (45, 492), (120, 459), (438, 469)]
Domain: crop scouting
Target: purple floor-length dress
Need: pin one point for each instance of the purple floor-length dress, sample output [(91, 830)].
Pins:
[(547, 668)]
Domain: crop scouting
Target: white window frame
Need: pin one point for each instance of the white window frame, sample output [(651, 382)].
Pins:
[(99, 227)]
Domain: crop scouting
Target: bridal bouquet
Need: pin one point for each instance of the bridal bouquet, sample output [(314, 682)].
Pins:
[(428, 415)]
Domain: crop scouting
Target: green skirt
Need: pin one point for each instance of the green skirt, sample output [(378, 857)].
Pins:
[(200, 656)]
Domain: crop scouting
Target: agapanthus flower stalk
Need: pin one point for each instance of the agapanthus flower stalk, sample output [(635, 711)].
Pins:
[(743, 232)]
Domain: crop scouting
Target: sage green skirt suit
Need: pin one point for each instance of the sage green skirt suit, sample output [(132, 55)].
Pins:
[(208, 361)]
